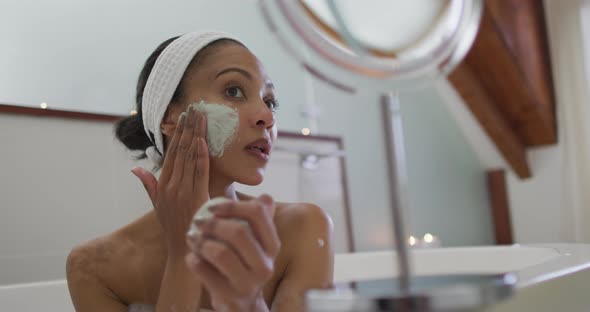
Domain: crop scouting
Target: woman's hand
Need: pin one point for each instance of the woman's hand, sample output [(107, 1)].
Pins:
[(184, 182), (235, 261)]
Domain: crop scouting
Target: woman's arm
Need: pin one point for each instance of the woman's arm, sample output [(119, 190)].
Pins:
[(87, 290), (180, 290), (181, 190), (312, 259)]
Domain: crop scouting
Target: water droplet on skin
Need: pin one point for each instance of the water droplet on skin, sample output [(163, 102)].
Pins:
[(321, 242)]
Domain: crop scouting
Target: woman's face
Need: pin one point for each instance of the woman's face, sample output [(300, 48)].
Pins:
[(233, 76)]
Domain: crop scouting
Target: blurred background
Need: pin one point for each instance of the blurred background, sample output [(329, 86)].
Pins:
[(497, 153)]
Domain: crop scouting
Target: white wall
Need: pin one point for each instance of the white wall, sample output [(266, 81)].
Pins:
[(447, 186), (86, 56), (553, 205), (537, 204), (63, 182)]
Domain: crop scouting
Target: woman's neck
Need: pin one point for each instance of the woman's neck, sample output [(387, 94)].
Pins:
[(219, 187)]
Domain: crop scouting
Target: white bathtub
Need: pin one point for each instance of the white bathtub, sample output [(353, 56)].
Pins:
[(41, 296), (525, 260), (550, 277)]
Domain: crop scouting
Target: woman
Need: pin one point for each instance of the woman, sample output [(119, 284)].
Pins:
[(267, 265)]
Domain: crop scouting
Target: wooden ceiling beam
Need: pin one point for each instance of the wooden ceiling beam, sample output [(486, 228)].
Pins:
[(481, 103), (505, 80), (501, 73), (521, 24)]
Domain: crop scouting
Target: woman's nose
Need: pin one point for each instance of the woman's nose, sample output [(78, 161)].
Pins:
[(264, 116)]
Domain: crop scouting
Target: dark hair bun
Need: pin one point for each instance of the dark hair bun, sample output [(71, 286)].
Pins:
[(130, 132)]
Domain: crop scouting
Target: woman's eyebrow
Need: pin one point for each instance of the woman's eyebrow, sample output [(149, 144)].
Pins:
[(245, 73)]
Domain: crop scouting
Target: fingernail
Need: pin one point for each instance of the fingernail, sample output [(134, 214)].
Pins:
[(136, 171), (190, 121), (199, 119), (204, 121), (181, 119)]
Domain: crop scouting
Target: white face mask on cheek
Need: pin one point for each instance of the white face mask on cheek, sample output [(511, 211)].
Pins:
[(222, 125)]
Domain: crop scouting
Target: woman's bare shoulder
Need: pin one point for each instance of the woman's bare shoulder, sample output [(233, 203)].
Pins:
[(301, 215), (293, 214), (89, 268), (103, 249), (94, 257), (111, 259), (305, 231), (300, 225)]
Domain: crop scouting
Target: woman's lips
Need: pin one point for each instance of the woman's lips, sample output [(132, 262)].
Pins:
[(260, 148), (258, 153)]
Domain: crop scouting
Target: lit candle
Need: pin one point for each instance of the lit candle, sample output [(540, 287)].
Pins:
[(430, 241)]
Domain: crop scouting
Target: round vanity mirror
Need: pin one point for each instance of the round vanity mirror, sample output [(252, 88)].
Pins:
[(395, 43), (387, 46)]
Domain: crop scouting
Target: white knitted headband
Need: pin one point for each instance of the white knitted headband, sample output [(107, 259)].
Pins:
[(163, 81)]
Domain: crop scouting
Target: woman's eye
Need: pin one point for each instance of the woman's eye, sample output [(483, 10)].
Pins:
[(272, 104), (234, 92)]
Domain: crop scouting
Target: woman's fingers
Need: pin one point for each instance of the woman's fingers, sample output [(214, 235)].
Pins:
[(183, 147), (215, 282), (237, 236), (225, 260), (150, 183), (201, 172), (259, 214), (168, 166), (190, 160), (191, 165), (196, 167)]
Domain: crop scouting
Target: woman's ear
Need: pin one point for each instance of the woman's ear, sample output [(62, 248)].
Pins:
[(168, 124)]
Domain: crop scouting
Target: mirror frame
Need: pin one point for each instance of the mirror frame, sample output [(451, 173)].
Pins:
[(294, 21)]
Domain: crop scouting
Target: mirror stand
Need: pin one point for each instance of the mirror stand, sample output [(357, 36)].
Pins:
[(357, 63), (398, 180), (407, 292)]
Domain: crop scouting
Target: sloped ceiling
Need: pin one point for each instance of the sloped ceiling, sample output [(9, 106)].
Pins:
[(506, 80)]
